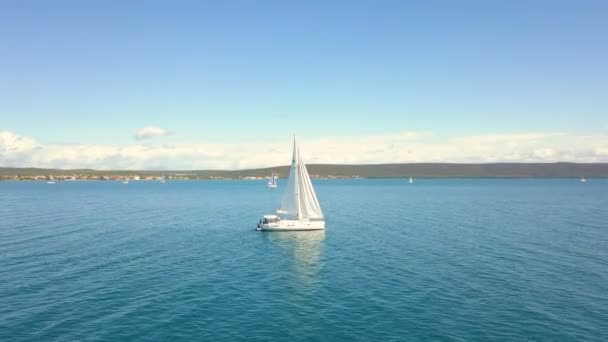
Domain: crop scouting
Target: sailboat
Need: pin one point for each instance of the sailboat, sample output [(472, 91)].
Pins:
[(411, 180), (300, 209), (162, 179), (51, 180), (272, 182), (583, 179)]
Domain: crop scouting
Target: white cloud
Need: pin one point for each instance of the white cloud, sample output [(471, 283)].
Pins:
[(22, 151), (506, 138), (15, 149), (13, 143), (150, 132)]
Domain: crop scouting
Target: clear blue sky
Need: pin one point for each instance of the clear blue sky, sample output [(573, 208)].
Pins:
[(96, 71)]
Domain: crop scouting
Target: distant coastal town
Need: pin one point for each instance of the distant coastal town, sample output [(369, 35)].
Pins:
[(325, 171), (76, 177), (92, 177)]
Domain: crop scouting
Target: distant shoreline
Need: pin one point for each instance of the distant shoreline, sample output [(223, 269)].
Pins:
[(329, 171), (315, 179)]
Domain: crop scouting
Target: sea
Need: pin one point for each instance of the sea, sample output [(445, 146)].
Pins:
[(436, 260)]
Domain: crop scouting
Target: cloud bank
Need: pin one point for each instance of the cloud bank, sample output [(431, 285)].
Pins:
[(402, 147), (150, 132)]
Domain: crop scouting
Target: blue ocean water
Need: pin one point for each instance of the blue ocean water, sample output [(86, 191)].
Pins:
[(446, 260)]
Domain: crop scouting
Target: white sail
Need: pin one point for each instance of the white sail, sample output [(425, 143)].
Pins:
[(272, 182), (299, 200), (273, 179)]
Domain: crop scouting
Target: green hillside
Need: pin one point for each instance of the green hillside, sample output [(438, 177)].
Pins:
[(418, 170)]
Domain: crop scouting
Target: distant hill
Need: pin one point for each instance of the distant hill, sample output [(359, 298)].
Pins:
[(417, 170)]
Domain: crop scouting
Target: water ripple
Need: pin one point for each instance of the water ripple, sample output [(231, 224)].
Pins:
[(450, 260)]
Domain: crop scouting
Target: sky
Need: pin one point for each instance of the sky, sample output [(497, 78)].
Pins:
[(226, 84)]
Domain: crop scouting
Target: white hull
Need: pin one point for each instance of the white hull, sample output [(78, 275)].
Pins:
[(271, 185), (300, 209), (291, 225)]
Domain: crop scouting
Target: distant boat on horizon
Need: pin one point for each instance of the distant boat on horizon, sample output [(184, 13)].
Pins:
[(300, 209), (126, 181), (411, 180), (583, 179), (272, 182), (162, 179), (51, 180)]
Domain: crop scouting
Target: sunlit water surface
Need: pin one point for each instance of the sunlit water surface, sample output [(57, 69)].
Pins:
[(449, 260)]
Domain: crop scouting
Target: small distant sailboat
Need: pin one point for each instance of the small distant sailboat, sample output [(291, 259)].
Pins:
[(162, 179), (126, 181), (583, 179), (51, 180), (272, 182), (300, 209), (411, 180)]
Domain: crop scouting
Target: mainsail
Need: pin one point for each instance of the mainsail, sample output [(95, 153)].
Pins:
[(299, 200)]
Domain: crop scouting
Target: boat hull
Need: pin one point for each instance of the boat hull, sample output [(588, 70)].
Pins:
[(292, 225)]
